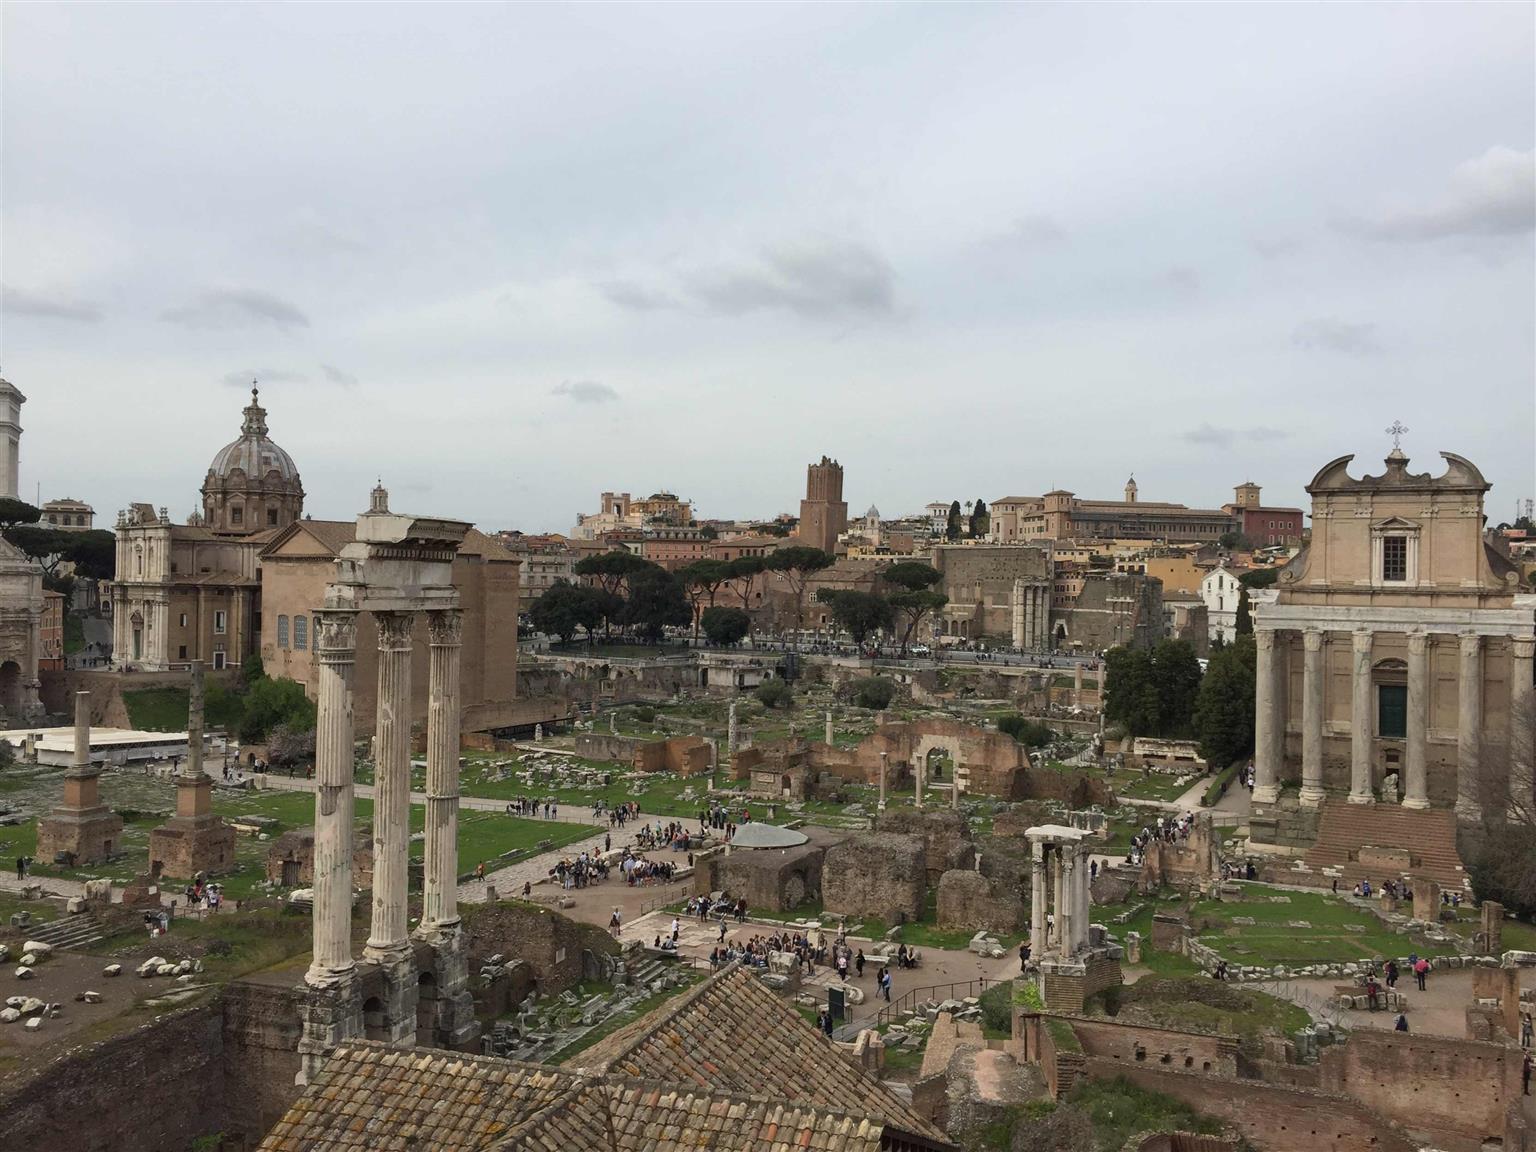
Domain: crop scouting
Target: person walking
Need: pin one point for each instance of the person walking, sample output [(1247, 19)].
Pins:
[(1024, 956), (1420, 971), (1525, 1030), (1392, 973), (858, 963), (616, 923)]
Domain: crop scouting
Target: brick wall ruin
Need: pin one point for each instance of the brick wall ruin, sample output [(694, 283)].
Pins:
[(261, 1027), (771, 881), (561, 952), (967, 899)]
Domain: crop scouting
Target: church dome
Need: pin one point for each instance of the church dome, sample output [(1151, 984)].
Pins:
[(255, 453), (252, 484)]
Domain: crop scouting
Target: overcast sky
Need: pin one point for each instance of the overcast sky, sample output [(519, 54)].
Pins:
[(508, 257)]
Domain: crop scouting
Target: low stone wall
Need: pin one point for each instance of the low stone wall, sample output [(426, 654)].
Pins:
[(560, 951), (1069, 986), (149, 1089), (1128, 1043)]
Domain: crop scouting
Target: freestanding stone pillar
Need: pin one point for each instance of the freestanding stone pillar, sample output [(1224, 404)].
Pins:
[(1077, 684), (829, 728), (195, 839), (453, 1012), (1360, 724), (954, 786), (389, 943), (1522, 716), (1312, 719), (1416, 789), (1469, 731), (1016, 603), (884, 756), (919, 769), (81, 828), (1268, 724), (1039, 899), (732, 735), (1031, 621), (332, 1012)]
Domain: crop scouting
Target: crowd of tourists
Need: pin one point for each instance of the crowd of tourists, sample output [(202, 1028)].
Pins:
[(533, 808)]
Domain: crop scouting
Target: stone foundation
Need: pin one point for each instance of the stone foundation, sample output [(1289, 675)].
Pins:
[(878, 875), (187, 846)]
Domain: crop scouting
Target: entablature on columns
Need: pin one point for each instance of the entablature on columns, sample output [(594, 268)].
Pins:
[(1516, 621)]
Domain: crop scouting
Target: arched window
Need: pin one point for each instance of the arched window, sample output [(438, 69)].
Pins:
[(282, 631), (300, 633)]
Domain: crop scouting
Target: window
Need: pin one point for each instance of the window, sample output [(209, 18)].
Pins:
[(282, 631), (181, 652), (236, 514), (271, 517), (1392, 711), (183, 619), (219, 619), (300, 628), (1394, 558), (218, 660)]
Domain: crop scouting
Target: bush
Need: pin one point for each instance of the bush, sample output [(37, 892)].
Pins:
[(873, 692), (1503, 868), (997, 1009), (725, 625), (1217, 788), (276, 702), (7, 754), (645, 714), (775, 693), (1030, 733)]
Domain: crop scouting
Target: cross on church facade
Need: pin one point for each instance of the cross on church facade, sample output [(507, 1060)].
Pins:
[(1397, 432)]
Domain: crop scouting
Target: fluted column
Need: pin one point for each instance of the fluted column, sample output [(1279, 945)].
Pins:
[(1027, 598), (387, 938), (1469, 732), (1522, 716), (1360, 720), (1416, 787), (1039, 880), (1016, 606), (1268, 724), (1066, 904), (1312, 718), (335, 640), (440, 904)]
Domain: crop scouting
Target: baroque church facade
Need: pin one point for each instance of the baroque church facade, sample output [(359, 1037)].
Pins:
[(192, 591), (1395, 652)]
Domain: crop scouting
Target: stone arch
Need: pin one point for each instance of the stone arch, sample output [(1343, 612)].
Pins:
[(374, 1027)]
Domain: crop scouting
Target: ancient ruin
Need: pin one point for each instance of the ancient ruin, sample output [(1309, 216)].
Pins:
[(81, 830), (194, 841)]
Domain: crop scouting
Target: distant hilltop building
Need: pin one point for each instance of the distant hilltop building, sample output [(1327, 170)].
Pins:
[(68, 515), (619, 510), (823, 512), (1062, 515)]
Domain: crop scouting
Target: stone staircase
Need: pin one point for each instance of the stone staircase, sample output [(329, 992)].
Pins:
[(646, 969), (78, 931), (1422, 841)]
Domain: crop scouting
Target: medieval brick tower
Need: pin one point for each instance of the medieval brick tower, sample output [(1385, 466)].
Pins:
[(823, 512)]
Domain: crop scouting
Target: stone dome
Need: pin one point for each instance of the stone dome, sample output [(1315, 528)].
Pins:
[(252, 484), (255, 453)]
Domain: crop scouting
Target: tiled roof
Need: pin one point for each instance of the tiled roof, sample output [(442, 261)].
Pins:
[(727, 1067), (735, 1034)]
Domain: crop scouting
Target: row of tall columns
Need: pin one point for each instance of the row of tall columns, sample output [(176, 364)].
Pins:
[(1060, 903), (1031, 607), (332, 1019), (1269, 719)]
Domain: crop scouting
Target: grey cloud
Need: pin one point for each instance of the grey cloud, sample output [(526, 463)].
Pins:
[(244, 378), (1182, 282), (636, 297), (236, 308), (819, 280), (23, 303), (1274, 247), (1492, 195), (1340, 336), (336, 376), (585, 391), (1209, 435)]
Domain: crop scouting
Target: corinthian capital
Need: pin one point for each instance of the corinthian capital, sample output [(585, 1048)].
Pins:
[(1264, 638), (336, 631), (394, 630), (446, 626)]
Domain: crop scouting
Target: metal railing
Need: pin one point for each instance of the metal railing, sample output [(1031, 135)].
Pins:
[(912, 997)]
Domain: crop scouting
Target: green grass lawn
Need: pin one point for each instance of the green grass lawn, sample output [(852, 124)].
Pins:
[(1201, 1004), (1150, 785), (1338, 932), (74, 634)]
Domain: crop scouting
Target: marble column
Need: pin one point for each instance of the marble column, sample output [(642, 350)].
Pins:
[(919, 768), (1066, 903), (1469, 731), (332, 1012), (440, 907), (1268, 720), (883, 757), (1077, 684), (1312, 718), (732, 734), (1522, 717), (389, 942), (1038, 903), (1416, 770), (1028, 596), (829, 728), (335, 643), (1361, 724), (954, 785), (1017, 622)]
